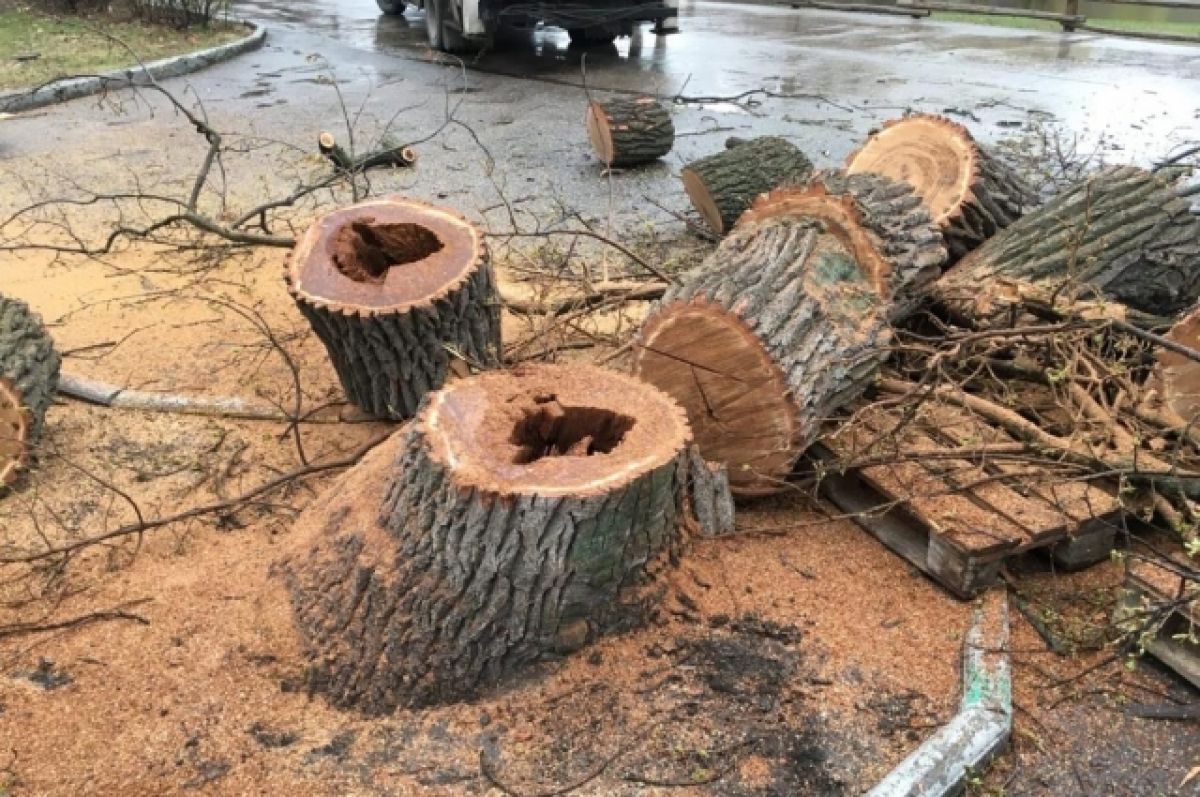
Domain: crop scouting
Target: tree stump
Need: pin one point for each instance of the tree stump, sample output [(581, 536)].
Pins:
[(397, 290), (761, 342), (881, 221), (723, 185), (970, 194), (28, 380), (629, 132), (519, 514), (1123, 234)]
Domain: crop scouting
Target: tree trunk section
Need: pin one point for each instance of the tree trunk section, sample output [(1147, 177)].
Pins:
[(518, 515), (1176, 378), (970, 194), (400, 293), (760, 343), (881, 221), (627, 132), (722, 186), (1123, 234), (29, 368)]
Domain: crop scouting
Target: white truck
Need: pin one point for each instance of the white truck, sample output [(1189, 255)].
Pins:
[(463, 25)]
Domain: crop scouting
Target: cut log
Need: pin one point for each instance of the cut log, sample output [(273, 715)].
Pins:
[(722, 186), (629, 132), (517, 516), (970, 194), (761, 342), (29, 368), (1176, 377), (1123, 234), (388, 156), (881, 221), (397, 290)]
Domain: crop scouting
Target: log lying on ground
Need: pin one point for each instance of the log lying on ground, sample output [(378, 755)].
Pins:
[(1123, 234), (970, 194), (519, 514), (1176, 377), (775, 330), (722, 186), (629, 132), (397, 290), (29, 368), (881, 221), (388, 156)]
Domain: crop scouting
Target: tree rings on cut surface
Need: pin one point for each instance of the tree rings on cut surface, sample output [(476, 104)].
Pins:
[(1177, 378), (398, 291), (881, 221), (519, 514), (969, 193), (723, 185), (629, 132), (761, 342)]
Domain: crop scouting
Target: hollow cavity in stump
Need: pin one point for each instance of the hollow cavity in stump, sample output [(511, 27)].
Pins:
[(517, 515), (397, 290)]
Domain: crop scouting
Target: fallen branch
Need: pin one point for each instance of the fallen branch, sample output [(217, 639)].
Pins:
[(118, 613), (600, 294)]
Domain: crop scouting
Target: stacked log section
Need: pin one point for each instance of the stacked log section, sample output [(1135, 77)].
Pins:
[(723, 185), (629, 132), (1176, 376), (970, 193), (775, 330), (1124, 234), (29, 367), (881, 221), (518, 515), (398, 291)]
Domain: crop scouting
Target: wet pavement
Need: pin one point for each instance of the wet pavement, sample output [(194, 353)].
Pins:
[(822, 79)]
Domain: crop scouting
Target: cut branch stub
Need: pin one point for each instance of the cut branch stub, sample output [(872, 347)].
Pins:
[(970, 194), (397, 290), (761, 342), (29, 368), (723, 185), (519, 514), (881, 221), (1122, 234), (628, 132)]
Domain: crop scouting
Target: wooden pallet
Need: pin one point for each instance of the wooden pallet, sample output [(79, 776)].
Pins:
[(959, 518), (1148, 584)]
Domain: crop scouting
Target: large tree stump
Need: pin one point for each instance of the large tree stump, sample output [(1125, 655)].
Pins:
[(775, 330), (28, 380), (970, 194), (629, 132), (1123, 234), (881, 221), (518, 514), (397, 290), (723, 185)]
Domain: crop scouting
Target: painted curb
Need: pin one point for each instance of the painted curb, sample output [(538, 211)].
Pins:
[(942, 765), (75, 87)]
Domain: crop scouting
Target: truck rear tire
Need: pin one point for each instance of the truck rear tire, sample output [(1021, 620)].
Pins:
[(392, 8), (443, 29)]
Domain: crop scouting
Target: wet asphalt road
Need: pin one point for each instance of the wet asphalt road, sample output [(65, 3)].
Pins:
[(832, 77)]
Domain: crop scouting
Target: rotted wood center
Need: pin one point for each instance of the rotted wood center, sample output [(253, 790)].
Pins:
[(364, 252)]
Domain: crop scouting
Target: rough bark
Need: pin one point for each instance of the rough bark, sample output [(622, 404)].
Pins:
[(1123, 234), (710, 495), (517, 516), (629, 132), (881, 221), (970, 193), (29, 368), (723, 185), (399, 292), (761, 342)]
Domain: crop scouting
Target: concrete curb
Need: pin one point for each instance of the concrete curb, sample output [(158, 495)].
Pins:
[(75, 87), (983, 724)]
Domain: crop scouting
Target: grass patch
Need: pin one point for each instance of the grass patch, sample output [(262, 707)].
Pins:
[(1126, 25), (72, 46)]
